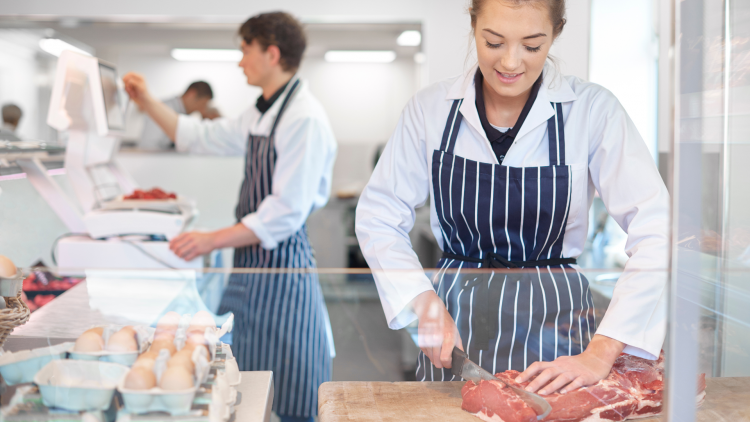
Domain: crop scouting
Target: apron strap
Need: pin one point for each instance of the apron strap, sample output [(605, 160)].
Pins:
[(283, 107), (451, 127), (494, 260), (556, 132)]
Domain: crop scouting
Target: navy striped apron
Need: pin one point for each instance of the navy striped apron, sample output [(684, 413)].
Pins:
[(279, 316), (514, 298)]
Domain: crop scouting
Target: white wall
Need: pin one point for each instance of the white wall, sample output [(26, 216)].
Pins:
[(624, 54), (18, 83)]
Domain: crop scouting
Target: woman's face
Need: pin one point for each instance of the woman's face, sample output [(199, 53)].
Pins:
[(512, 45)]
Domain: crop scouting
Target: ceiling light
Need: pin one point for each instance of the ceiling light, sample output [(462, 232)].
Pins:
[(351, 56), (55, 47), (409, 39), (206, 55)]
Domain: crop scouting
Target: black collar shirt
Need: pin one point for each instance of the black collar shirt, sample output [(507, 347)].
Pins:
[(263, 105), (501, 141)]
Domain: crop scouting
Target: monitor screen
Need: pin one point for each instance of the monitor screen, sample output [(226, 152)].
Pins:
[(112, 104)]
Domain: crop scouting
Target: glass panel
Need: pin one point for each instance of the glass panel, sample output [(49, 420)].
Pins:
[(710, 323)]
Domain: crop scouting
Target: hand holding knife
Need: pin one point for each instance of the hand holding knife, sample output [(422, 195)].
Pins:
[(462, 367)]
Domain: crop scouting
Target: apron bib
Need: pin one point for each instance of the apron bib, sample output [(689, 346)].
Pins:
[(280, 318), (530, 304)]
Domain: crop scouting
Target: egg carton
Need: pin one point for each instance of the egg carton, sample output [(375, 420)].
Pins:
[(144, 337), (78, 385), (21, 367), (26, 406), (11, 287), (174, 402)]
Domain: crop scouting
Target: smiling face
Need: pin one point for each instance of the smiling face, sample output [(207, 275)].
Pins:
[(512, 45)]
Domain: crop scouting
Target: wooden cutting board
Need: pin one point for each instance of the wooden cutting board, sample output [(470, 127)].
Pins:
[(727, 399)]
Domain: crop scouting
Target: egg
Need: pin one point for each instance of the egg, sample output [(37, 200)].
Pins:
[(203, 318), (97, 330), (176, 378), (140, 378), (162, 343), (7, 268), (191, 346), (168, 323), (146, 363), (89, 342), (149, 354), (123, 341), (182, 360)]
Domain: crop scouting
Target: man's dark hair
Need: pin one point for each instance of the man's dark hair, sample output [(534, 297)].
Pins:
[(280, 29), (12, 114), (201, 88)]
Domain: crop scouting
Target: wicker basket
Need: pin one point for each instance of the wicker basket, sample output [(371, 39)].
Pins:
[(15, 313)]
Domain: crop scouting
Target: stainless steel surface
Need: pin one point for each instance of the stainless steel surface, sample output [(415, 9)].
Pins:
[(462, 367)]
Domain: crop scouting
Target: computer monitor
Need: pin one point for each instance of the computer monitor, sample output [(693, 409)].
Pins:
[(86, 96), (111, 95)]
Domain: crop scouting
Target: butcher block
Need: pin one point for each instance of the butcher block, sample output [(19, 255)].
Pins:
[(727, 399)]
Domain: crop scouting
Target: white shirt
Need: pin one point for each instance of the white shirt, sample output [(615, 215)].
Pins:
[(606, 154), (152, 136), (305, 153)]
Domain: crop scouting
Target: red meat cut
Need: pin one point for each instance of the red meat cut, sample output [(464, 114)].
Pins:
[(633, 390)]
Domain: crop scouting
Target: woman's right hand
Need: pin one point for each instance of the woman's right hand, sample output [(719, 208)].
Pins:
[(135, 86), (438, 334)]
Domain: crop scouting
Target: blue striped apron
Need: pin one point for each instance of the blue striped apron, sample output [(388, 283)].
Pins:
[(279, 316), (529, 303)]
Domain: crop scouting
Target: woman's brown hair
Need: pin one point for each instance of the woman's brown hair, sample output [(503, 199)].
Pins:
[(556, 9)]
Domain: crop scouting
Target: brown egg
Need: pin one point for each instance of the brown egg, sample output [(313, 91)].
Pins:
[(191, 346), (176, 378), (97, 330), (146, 363), (149, 354), (196, 339), (168, 323), (123, 341), (7, 268), (89, 342), (162, 343), (140, 379), (203, 318), (182, 360)]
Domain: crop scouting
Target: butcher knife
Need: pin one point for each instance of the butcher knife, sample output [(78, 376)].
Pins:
[(462, 367)]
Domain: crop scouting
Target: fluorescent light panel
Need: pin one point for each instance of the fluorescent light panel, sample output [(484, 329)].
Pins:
[(56, 46), (206, 55), (409, 38), (354, 56)]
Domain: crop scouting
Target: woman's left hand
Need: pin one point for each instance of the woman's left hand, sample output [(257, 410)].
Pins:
[(568, 373), (192, 244)]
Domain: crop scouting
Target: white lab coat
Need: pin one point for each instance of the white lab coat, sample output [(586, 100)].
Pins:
[(607, 155), (305, 153), (152, 136)]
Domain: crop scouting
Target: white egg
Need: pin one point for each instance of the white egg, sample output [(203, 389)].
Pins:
[(7, 268)]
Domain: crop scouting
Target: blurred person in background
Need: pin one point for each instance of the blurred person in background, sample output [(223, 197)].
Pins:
[(195, 99), (11, 117), (281, 320)]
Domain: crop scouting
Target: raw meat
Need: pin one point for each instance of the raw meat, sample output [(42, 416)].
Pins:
[(633, 390), (154, 193)]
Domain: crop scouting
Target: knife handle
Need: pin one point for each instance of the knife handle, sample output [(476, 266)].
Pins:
[(457, 361)]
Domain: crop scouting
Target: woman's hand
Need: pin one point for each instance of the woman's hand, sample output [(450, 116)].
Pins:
[(568, 373), (438, 333), (193, 244)]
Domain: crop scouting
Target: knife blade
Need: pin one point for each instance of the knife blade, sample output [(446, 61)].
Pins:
[(462, 367)]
